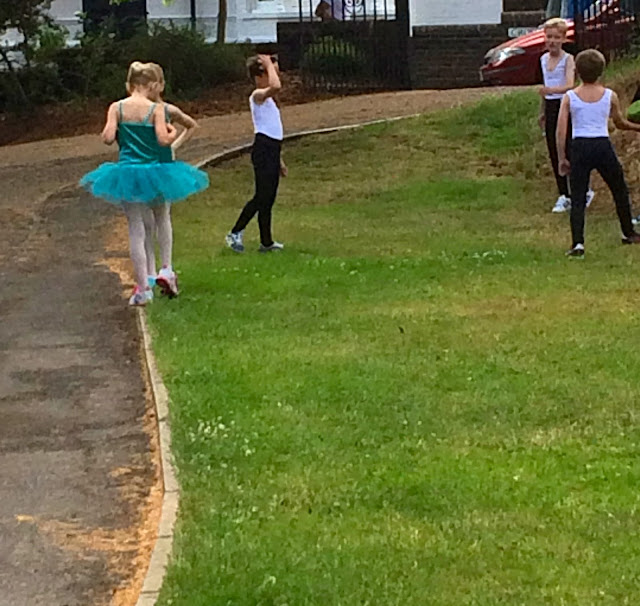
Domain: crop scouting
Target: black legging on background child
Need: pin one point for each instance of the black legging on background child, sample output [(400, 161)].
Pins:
[(265, 158), (551, 113)]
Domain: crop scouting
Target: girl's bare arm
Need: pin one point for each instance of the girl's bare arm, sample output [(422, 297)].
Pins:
[(110, 129), (165, 133), (260, 95), (189, 126)]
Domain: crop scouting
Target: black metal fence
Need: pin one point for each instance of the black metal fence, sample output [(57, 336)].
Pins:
[(353, 44), (125, 16), (610, 26)]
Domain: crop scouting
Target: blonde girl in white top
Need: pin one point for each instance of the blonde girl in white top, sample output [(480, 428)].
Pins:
[(558, 73)]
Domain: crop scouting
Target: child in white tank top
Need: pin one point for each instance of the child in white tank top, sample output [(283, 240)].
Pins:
[(268, 166), (558, 74), (590, 106)]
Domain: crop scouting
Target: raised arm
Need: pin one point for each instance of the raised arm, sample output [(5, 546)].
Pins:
[(618, 119), (110, 129), (561, 136), (260, 95)]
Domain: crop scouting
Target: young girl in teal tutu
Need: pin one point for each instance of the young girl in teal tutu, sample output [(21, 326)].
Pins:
[(143, 178), (158, 222)]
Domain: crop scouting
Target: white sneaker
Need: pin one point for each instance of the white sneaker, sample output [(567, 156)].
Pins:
[(563, 204), (590, 196), (577, 251), (140, 298), (167, 281), (234, 241), (275, 246)]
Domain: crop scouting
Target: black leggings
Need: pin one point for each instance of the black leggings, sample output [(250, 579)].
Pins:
[(265, 157), (551, 113), (596, 154)]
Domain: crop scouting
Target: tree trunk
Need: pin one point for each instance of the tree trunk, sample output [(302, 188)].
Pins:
[(22, 95), (222, 22), (194, 16)]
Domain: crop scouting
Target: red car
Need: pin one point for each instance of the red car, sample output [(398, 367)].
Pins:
[(517, 61)]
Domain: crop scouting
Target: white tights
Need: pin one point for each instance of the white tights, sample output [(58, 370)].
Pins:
[(144, 224)]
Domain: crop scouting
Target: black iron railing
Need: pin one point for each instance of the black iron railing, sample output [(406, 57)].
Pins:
[(353, 44), (610, 26)]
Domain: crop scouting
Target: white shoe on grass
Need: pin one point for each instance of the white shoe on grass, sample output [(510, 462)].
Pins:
[(140, 298), (576, 252), (274, 247), (167, 281), (234, 241), (562, 205)]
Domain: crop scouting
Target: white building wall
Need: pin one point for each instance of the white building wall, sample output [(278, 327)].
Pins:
[(64, 12), (253, 20), (455, 12), (256, 20)]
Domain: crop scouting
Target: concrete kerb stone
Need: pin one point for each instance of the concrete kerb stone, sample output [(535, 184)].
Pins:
[(234, 152), (170, 502), (162, 550)]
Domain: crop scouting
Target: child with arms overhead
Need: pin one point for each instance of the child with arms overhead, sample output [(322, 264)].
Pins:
[(268, 166)]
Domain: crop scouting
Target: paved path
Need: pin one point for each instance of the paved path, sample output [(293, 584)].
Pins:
[(75, 469)]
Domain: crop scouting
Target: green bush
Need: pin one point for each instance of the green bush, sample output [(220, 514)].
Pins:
[(23, 89), (97, 67), (191, 65)]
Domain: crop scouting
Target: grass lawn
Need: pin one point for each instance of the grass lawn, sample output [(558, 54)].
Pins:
[(421, 401)]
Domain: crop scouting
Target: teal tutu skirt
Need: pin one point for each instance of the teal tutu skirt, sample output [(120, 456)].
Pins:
[(154, 183)]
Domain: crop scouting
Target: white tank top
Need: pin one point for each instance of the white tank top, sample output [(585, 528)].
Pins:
[(556, 77), (266, 118), (590, 120)]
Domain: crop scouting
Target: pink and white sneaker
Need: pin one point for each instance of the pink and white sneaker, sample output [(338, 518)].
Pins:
[(167, 281), (140, 298)]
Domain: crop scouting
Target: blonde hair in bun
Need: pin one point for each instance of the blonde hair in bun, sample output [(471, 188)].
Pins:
[(141, 74)]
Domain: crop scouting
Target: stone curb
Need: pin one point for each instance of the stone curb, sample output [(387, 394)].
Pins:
[(171, 491), (234, 152), (162, 550)]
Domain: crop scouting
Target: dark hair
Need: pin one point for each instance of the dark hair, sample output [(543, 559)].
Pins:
[(590, 65), (255, 67)]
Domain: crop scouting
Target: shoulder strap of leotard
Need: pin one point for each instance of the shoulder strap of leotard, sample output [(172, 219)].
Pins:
[(149, 113), (120, 112)]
